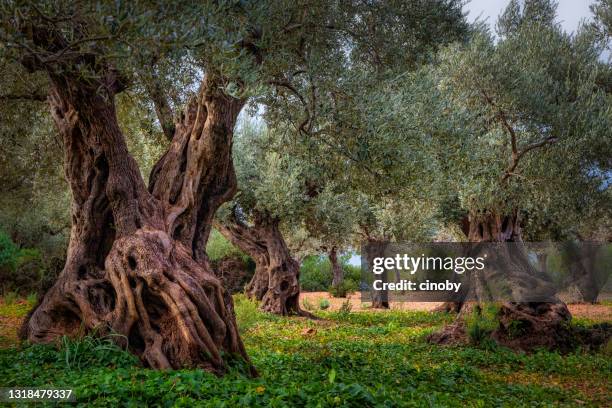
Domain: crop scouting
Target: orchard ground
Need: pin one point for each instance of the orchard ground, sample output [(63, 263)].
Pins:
[(351, 356), (597, 313)]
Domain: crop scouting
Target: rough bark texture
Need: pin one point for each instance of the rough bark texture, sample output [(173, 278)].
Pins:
[(135, 264), (276, 279), (337, 273), (380, 299), (543, 262), (196, 175), (523, 325)]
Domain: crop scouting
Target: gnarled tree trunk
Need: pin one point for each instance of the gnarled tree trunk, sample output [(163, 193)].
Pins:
[(276, 280), (522, 325), (136, 264)]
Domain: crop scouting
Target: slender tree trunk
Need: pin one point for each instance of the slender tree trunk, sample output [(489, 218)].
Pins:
[(522, 325), (135, 264), (276, 279), (337, 273), (380, 298)]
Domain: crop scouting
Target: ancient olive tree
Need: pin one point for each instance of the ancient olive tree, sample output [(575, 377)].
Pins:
[(271, 198), (521, 133), (326, 105), (35, 198), (135, 264), (379, 179), (286, 205)]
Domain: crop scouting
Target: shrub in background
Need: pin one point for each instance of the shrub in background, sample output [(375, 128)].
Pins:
[(340, 291), (10, 298), (9, 252), (22, 270), (316, 274), (230, 264), (218, 247)]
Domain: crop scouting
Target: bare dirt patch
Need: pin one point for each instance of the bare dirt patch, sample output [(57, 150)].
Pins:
[(600, 313), (314, 298)]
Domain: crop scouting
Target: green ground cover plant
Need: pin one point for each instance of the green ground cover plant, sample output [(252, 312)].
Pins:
[(342, 359)]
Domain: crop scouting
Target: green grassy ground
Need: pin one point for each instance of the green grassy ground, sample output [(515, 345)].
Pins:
[(344, 359)]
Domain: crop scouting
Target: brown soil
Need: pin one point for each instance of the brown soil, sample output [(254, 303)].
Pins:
[(599, 313)]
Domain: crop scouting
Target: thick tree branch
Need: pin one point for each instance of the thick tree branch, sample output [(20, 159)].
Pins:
[(504, 120), (517, 153), (294, 91), (510, 170)]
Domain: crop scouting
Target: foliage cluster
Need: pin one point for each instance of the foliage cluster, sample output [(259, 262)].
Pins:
[(481, 323), (316, 273)]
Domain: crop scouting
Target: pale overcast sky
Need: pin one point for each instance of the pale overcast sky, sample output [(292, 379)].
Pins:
[(570, 12)]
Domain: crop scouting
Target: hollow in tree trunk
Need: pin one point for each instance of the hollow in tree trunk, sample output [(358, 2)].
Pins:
[(135, 263), (522, 325), (276, 279)]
